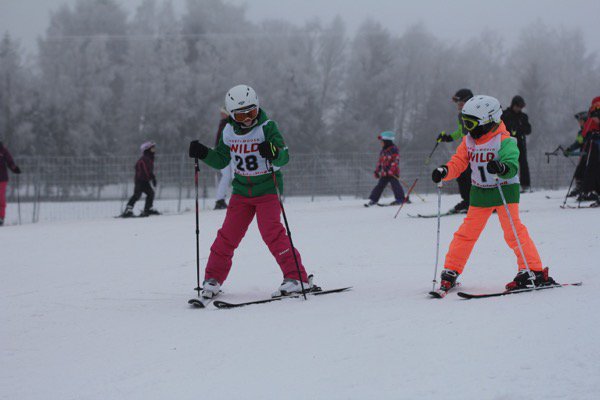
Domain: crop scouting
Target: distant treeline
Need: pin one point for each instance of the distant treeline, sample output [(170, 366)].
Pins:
[(103, 81)]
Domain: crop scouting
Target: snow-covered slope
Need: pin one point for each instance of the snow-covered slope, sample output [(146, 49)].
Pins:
[(97, 310)]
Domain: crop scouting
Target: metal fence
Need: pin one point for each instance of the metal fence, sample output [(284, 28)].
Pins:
[(61, 188)]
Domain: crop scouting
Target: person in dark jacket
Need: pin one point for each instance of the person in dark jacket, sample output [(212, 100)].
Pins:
[(575, 149), (144, 181), (464, 180), (387, 171), (517, 123), (6, 163), (591, 137)]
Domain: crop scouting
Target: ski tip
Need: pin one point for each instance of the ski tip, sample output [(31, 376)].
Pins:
[(464, 295), (224, 305), (196, 303)]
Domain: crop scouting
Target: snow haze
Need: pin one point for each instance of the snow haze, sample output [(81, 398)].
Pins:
[(453, 20)]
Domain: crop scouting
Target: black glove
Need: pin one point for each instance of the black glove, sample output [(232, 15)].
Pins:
[(444, 138), (439, 173), (154, 181), (17, 170), (268, 150), (496, 167), (198, 150)]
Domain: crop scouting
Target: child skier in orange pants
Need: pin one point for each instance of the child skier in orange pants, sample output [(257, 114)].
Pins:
[(493, 155)]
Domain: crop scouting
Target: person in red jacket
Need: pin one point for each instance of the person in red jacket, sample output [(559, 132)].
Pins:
[(387, 171), (6, 163), (144, 180), (591, 137)]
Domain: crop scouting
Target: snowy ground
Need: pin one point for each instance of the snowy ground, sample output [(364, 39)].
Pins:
[(97, 310)]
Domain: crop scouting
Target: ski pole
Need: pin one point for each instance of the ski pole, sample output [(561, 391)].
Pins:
[(439, 218), (196, 174), (514, 229), (287, 226), (406, 197), (416, 194), (437, 142), (18, 199)]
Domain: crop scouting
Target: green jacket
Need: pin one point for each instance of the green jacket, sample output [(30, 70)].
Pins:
[(508, 154), (459, 133), (252, 186)]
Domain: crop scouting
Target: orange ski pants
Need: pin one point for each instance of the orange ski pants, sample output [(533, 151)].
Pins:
[(465, 237)]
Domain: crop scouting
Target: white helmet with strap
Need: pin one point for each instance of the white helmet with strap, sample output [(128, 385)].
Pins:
[(485, 108), (240, 96), (480, 114)]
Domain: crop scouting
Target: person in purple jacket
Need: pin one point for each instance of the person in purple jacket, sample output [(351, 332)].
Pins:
[(6, 163), (144, 181)]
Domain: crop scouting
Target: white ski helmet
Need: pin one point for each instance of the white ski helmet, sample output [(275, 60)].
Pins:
[(147, 145), (240, 96), (480, 113)]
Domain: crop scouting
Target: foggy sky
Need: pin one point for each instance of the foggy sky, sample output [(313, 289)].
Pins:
[(455, 20)]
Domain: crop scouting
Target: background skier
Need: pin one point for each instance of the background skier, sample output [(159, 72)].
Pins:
[(387, 171), (144, 181), (591, 137), (517, 124), (577, 145), (6, 163), (226, 173), (464, 180)]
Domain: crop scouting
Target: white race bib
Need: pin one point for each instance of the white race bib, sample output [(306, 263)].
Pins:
[(479, 156), (245, 156)]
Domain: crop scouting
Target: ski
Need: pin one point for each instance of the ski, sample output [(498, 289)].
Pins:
[(446, 214), (570, 207), (226, 305), (440, 294), (435, 215), (517, 291)]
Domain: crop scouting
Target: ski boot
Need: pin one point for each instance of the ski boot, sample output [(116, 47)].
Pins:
[(460, 208), (128, 213), (524, 281), (147, 213), (371, 203), (1, 222), (593, 205), (588, 196), (292, 286), (210, 288), (448, 279), (220, 205)]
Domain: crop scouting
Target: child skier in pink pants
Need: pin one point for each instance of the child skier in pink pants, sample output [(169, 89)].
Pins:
[(254, 143)]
